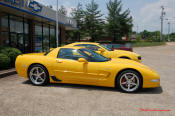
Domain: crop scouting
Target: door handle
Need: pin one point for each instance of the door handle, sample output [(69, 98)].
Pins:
[(59, 61)]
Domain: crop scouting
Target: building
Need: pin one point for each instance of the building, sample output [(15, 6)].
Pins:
[(31, 26)]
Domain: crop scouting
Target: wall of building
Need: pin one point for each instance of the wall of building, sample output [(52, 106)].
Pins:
[(31, 6), (0, 30), (24, 29)]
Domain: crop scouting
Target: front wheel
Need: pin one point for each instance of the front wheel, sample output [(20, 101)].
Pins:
[(129, 81), (38, 75)]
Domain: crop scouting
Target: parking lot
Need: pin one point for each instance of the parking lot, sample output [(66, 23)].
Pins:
[(18, 97)]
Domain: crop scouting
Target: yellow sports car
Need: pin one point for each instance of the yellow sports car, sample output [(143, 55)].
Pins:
[(107, 52), (79, 65)]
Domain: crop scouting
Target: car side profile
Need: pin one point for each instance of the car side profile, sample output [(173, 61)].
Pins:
[(126, 47), (107, 52), (77, 65)]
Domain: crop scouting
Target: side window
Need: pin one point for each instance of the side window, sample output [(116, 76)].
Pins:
[(68, 53), (82, 45), (108, 45), (89, 46)]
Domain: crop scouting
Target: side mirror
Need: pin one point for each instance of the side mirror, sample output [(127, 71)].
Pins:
[(101, 50), (82, 60)]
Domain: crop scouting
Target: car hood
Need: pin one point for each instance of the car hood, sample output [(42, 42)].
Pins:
[(125, 52)]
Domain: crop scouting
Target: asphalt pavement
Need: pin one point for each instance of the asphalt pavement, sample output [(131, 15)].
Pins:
[(18, 97)]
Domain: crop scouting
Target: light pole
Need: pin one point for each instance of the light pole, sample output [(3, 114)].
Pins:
[(161, 17), (57, 38), (137, 29), (169, 31), (170, 20)]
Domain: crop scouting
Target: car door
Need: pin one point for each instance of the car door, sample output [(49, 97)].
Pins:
[(96, 69), (67, 67), (96, 72)]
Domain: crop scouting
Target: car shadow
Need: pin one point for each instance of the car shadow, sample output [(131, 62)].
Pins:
[(158, 90)]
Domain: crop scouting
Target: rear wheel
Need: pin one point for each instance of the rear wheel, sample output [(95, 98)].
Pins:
[(129, 81), (38, 75)]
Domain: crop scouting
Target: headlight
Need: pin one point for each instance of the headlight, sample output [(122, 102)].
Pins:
[(155, 80)]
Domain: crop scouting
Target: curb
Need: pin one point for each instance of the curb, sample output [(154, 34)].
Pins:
[(6, 73)]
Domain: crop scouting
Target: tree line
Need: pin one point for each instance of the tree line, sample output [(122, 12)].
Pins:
[(91, 22), (152, 36)]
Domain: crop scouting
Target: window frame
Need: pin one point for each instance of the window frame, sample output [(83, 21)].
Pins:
[(67, 58), (85, 45)]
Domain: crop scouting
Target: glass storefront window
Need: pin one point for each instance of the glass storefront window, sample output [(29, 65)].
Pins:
[(52, 37), (15, 36), (38, 37), (4, 22), (26, 25), (45, 37), (46, 40), (16, 32), (26, 36), (4, 29), (5, 37)]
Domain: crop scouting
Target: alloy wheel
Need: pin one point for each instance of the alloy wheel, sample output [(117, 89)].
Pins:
[(129, 82), (37, 75)]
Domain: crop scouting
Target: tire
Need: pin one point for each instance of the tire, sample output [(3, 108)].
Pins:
[(38, 75), (129, 81)]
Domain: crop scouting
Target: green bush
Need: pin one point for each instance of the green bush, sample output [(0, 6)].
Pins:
[(12, 53), (146, 43), (4, 61), (2, 47)]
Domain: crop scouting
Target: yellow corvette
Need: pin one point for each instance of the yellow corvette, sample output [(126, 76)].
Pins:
[(78, 65), (107, 52)]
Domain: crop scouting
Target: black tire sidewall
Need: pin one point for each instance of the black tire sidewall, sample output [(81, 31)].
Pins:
[(46, 72), (129, 71)]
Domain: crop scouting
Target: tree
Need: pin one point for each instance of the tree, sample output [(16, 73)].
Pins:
[(93, 20), (50, 6), (145, 34), (78, 14), (126, 23), (62, 10), (118, 23)]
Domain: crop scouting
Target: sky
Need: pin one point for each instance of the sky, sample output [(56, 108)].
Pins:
[(145, 13)]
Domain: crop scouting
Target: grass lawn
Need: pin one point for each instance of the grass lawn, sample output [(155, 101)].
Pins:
[(145, 44)]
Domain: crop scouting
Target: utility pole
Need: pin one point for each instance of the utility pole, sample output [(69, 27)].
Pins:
[(137, 29), (162, 18), (57, 37), (169, 31)]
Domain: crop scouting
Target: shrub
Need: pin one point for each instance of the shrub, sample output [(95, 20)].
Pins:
[(4, 61), (12, 53), (2, 47)]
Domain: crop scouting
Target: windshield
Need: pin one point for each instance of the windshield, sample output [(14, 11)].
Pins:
[(47, 52), (104, 46), (92, 56)]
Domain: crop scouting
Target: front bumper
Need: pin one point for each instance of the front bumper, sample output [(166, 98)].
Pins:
[(153, 83)]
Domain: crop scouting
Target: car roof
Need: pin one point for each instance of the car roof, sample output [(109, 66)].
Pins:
[(111, 44), (82, 43), (73, 47)]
